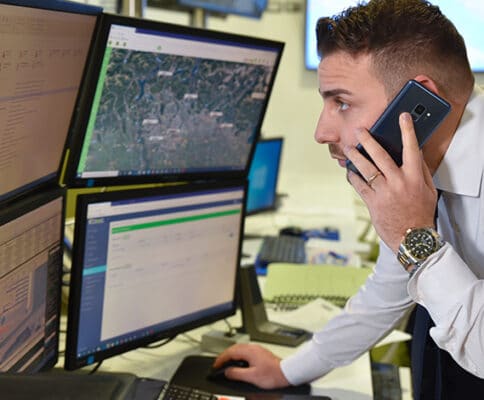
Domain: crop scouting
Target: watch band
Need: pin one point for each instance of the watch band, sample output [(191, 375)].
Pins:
[(403, 258)]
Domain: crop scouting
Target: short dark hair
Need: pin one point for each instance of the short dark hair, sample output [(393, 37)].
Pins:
[(404, 38)]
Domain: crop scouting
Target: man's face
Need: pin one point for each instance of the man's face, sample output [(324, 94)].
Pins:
[(353, 98)]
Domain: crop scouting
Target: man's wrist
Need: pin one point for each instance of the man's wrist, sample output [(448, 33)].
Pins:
[(416, 246)]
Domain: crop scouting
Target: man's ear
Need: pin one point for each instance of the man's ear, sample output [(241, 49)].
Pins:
[(428, 82)]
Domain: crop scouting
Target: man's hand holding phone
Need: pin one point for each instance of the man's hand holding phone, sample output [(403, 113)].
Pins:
[(387, 167), (399, 197)]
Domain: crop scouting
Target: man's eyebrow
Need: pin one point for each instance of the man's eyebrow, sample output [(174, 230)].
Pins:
[(333, 93)]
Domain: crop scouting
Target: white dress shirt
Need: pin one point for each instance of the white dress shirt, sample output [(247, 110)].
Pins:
[(449, 285)]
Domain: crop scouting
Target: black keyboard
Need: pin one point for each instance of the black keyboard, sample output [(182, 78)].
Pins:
[(176, 392), (282, 248)]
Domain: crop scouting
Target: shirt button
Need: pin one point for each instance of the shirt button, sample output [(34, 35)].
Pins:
[(456, 227)]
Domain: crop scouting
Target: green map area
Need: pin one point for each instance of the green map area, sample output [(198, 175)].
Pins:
[(165, 112)]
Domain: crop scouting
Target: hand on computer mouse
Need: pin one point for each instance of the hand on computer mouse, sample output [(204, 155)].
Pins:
[(264, 368), (218, 373)]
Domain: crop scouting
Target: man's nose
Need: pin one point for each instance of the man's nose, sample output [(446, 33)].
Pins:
[(326, 132)]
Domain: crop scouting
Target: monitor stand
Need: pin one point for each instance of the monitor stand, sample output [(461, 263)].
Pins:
[(254, 316), (216, 341)]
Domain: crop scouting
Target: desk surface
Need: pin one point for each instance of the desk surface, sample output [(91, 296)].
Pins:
[(352, 382)]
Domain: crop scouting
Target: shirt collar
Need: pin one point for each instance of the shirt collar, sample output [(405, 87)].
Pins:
[(461, 168)]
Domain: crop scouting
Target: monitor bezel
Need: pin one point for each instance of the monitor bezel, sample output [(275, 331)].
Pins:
[(52, 179), (274, 204), (22, 207), (83, 109), (57, 5), (71, 361)]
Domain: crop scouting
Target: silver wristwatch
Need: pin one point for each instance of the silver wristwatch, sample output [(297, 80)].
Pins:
[(417, 245)]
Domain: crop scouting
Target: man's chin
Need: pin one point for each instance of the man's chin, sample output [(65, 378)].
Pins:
[(342, 163)]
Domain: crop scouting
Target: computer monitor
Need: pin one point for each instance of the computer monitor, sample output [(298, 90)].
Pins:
[(30, 282), (169, 103), (263, 175), (151, 263), (467, 16), (245, 8), (43, 49)]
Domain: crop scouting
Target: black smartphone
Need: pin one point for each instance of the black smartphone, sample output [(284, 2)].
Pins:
[(427, 110)]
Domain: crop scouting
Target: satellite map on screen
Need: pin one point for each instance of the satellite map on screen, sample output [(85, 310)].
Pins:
[(157, 112)]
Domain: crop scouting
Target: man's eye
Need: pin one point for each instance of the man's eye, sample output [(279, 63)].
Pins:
[(343, 106)]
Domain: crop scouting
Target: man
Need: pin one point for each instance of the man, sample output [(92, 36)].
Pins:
[(367, 54)]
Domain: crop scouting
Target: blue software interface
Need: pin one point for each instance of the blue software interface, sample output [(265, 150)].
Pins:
[(143, 255), (264, 171)]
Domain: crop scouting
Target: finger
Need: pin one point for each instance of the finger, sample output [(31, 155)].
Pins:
[(221, 359), (383, 161), (359, 185), (363, 174), (233, 352), (362, 166), (411, 153)]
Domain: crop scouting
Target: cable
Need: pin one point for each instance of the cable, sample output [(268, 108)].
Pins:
[(96, 367), (191, 338), (157, 345), (232, 331)]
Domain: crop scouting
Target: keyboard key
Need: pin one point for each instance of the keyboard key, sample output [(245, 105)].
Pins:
[(176, 392), (282, 248)]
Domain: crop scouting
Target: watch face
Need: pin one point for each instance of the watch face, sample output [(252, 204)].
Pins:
[(421, 243)]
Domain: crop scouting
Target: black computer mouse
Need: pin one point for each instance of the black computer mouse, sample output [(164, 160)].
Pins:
[(219, 373), (291, 231)]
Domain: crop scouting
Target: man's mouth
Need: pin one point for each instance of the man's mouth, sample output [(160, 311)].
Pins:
[(335, 153), (341, 160)]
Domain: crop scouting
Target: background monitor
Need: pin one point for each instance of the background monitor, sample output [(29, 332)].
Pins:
[(264, 171), (467, 15), (169, 103), (43, 49), (108, 6), (30, 282), (137, 252), (246, 8)]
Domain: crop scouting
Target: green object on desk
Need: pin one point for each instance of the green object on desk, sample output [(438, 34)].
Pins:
[(291, 285)]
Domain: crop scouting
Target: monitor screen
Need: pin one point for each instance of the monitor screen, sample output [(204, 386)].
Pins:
[(246, 8), (30, 282), (135, 252), (467, 16), (42, 58), (263, 174), (170, 103)]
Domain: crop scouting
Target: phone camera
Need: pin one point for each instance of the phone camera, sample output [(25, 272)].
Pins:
[(417, 111)]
